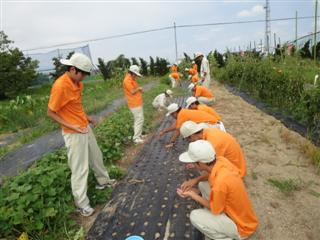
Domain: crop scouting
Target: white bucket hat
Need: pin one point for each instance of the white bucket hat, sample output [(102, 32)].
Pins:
[(189, 128), (198, 151), (198, 54), (79, 61), (135, 69), (190, 100), (191, 86), (173, 107), (169, 92)]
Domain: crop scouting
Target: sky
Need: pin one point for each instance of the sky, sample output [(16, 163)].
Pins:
[(38, 23)]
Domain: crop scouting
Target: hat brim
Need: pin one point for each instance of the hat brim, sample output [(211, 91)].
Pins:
[(66, 62), (136, 73), (195, 130), (189, 104), (185, 158)]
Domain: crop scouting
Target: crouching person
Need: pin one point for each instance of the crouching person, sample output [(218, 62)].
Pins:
[(162, 101), (227, 212)]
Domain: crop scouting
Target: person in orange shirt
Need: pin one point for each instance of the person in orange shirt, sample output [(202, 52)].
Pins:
[(193, 103), (195, 79), (175, 76), (227, 211), (174, 68), (193, 72), (204, 95), (133, 93), (65, 107), (224, 143), (182, 115)]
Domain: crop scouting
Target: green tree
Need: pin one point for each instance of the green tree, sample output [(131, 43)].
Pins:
[(135, 61), (152, 67), (17, 71), (144, 67), (105, 69), (161, 66), (305, 51), (59, 68)]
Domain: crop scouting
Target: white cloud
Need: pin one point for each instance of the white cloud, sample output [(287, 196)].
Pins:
[(254, 11)]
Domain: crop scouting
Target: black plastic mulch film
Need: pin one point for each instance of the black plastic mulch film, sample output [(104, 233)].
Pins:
[(145, 203)]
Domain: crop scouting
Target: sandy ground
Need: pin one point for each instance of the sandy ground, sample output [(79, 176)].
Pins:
[(274, 152)]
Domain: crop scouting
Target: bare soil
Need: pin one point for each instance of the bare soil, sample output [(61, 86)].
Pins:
[(274, 152)]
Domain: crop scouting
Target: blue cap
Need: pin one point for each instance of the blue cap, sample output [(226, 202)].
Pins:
[(134, 238)]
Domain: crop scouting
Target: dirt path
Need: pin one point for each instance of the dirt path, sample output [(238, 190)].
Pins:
[(274, 153)]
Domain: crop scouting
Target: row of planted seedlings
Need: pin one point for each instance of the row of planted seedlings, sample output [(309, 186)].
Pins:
[(283, 86), (39, 200)]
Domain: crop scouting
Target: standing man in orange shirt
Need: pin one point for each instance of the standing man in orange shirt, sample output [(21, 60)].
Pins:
[(65, 107), (133, 94), (175, 76), (227, 211)]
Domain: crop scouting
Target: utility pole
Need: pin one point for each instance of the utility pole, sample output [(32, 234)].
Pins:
[(275, 40), (315, 32), (296, 30), (175, 40), (268, 28)]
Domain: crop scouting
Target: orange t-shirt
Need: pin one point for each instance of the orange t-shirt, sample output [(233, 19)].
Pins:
[(174, 68), (226, 146), (195, 78), (175, 75), (194, 116), (205, 108), (66, 101), (134, 100), (228, 195), (202, 91), (192, 71), (195, 67)]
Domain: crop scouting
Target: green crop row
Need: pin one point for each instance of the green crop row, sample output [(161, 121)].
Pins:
[(281, 86), (39, 200)]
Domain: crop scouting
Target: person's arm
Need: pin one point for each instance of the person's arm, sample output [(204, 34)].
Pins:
[(135, 90), (169, 129), (54, 116), (185, 186)]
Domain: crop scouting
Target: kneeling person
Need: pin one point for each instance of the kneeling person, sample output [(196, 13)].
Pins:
[(227, 211)]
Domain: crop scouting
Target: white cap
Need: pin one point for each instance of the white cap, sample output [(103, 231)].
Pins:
[(79, 61), (135, 69), (175, 63), (173, 107), (190, 100), (191, 86), (193, 62), (169, 92), (198, 151), (189, 128), (198, 54)]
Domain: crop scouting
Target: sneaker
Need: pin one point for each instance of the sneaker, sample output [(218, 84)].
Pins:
[(86, 212), (110, 183), (138, 141)]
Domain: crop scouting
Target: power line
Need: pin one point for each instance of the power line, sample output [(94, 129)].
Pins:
[(164, 28)]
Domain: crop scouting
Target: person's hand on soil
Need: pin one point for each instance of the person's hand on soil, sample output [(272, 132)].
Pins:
[(185, 194), (187, 185), (79, 129), (141, 89), (170, 145)]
